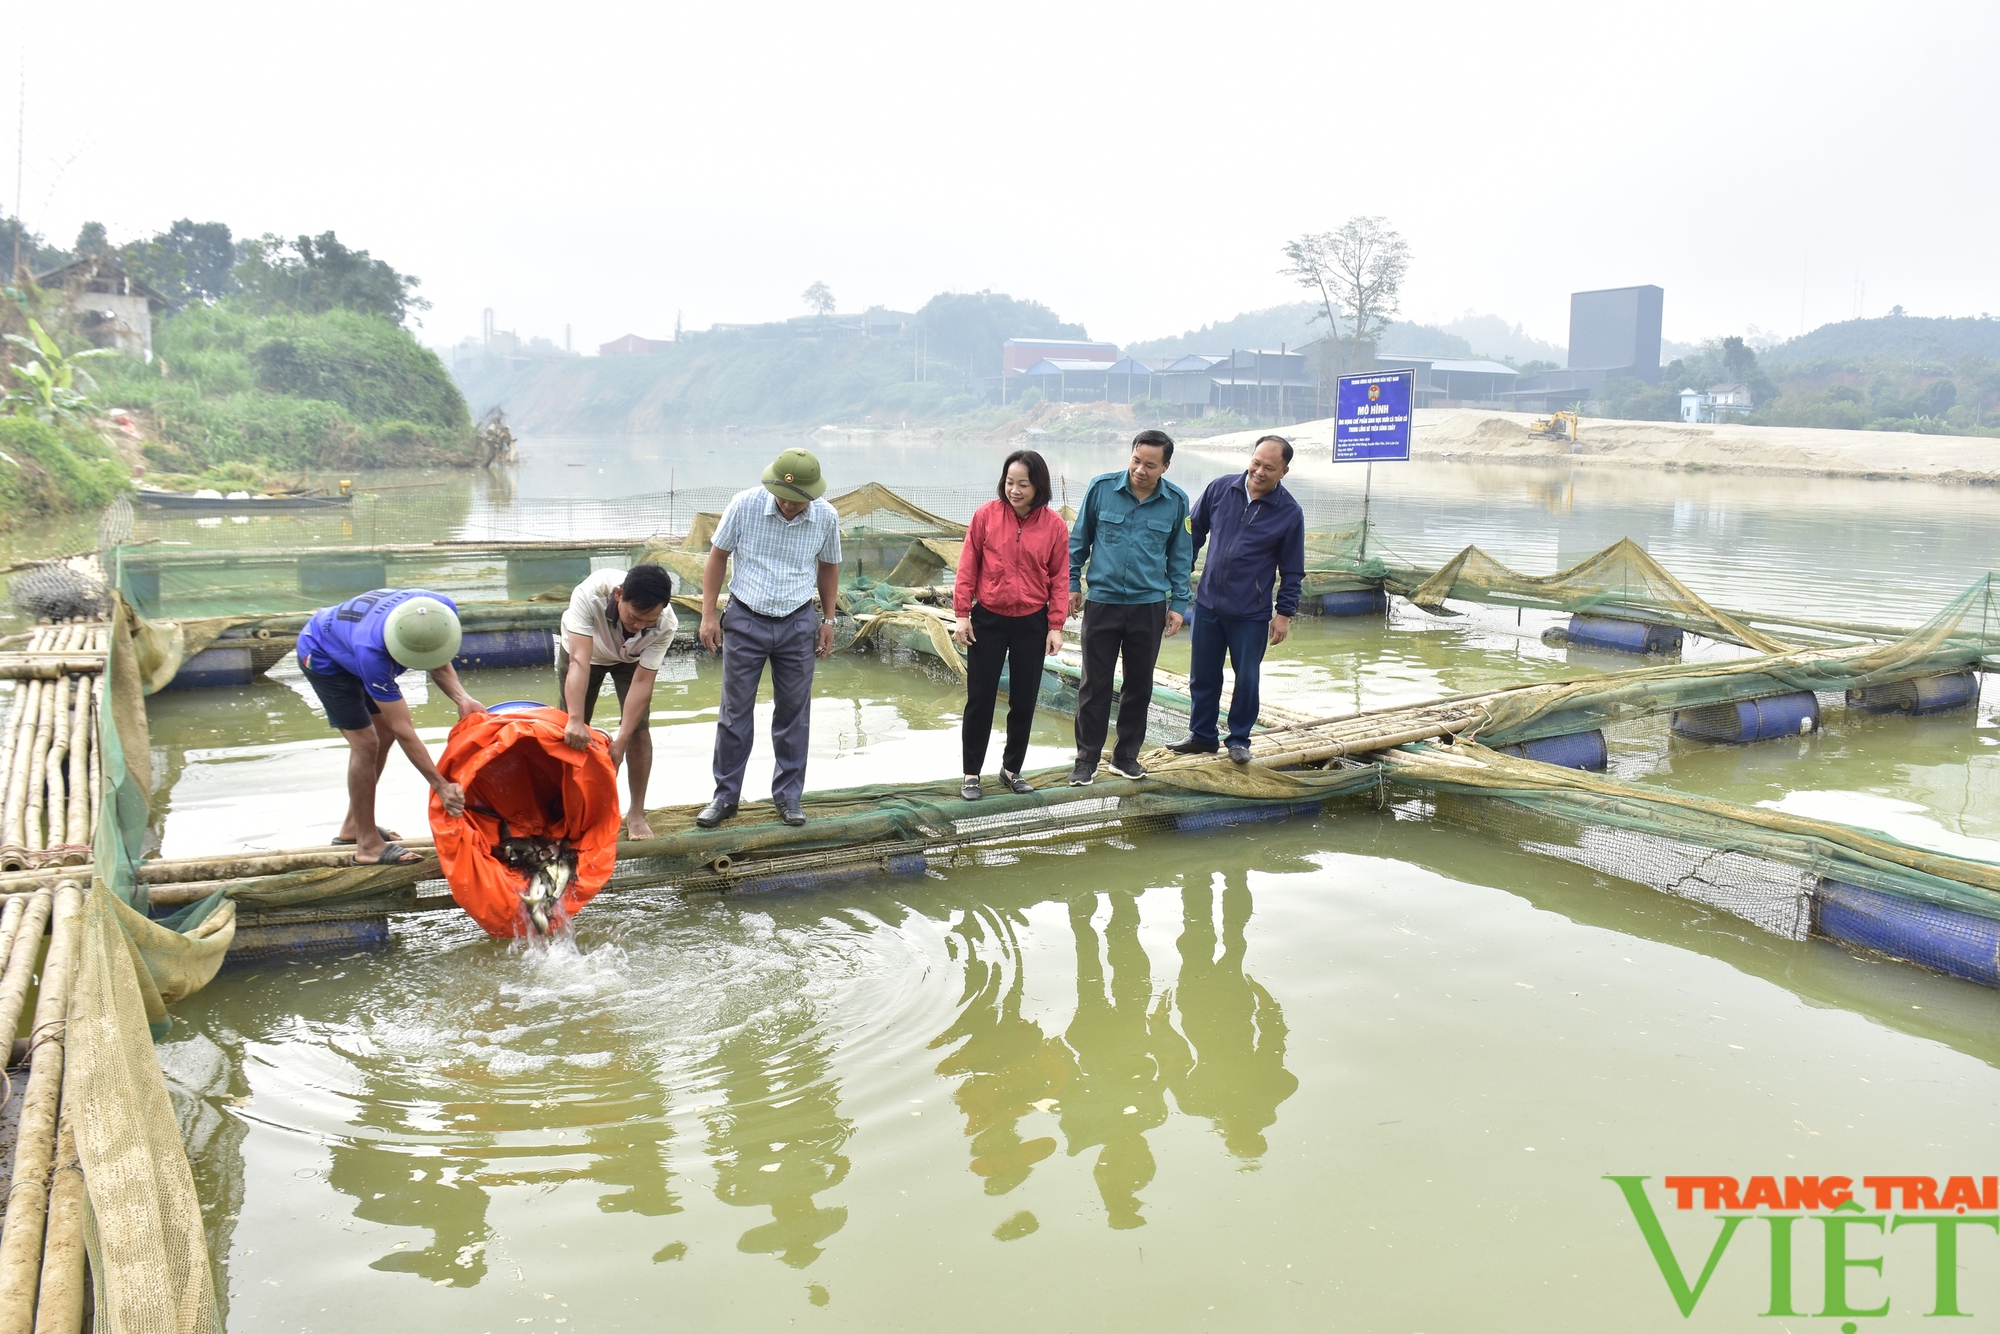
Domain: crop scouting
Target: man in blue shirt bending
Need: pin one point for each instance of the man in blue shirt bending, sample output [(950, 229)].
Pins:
[(1132, 535), (1254, 531), (351, 656)]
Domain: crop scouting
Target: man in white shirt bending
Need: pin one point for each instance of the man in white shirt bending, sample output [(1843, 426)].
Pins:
[(620, 624)]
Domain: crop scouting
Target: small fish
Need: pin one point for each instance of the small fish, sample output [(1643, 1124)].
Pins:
[(548, 864)]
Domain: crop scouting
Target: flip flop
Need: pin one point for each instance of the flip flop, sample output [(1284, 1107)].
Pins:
[(393, 855), (348, 842)]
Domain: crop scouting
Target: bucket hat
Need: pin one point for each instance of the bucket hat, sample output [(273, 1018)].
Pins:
[(421, 633), (794, 475)]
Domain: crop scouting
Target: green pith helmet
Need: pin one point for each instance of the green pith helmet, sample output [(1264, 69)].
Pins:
[(794, 475), (422, 634)]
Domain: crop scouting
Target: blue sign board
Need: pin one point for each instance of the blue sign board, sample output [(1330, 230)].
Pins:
[(1372, 418)]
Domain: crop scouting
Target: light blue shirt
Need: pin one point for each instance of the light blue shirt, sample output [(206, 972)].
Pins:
[(776, 560)]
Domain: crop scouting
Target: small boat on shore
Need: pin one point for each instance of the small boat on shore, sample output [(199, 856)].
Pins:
[(237, 502)]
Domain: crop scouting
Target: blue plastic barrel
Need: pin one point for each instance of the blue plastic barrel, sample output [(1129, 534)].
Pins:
[(505, 648), (1354, 602), (1950, 940), (1923, 694), (1578, 750), (216, 665), (1751, 719), (1619, 636), (1188, 820)]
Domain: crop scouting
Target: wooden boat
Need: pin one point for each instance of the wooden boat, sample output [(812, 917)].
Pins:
[(189, 502)]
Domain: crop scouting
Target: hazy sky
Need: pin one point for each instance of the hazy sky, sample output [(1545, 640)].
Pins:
[(1136, 167)]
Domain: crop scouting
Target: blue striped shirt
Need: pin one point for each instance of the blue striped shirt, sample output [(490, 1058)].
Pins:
[(776, 560)]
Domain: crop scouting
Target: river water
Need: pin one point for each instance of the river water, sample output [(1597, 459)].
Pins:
[(1365, 1070)]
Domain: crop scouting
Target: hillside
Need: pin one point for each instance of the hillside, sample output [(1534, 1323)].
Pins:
[(1906, 338), (715, 381), (1294, 326), (290, 390)]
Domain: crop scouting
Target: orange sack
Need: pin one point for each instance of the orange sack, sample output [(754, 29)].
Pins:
[(515, 768)]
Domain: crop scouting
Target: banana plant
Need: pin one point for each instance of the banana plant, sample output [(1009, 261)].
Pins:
[(49, 379)]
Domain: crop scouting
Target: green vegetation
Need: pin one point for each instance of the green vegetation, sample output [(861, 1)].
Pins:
[(274, 354), (48, 379), (48, 468), (336, 389), (1879, 388)]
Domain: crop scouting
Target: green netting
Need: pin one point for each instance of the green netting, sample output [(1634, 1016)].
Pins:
[(148, 1253), (887, 819), (1621, 580), (1962, 634), (1817, 847)]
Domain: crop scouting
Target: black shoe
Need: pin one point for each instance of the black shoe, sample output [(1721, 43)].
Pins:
[(1084, 774), (1239, 753), (1126, 768), (1192, 745), (1016, 784), (971, 790), (715, 813), (791, 813)]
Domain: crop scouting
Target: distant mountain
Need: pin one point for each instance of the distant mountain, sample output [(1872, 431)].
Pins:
[(1294, 326), (1903, 337), (1491, 336)]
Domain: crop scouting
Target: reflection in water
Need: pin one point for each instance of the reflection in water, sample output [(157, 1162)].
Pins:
[(777, 1142), (1231, 1067), (1009, 1064), (1111, 1071), (1117, 1092)]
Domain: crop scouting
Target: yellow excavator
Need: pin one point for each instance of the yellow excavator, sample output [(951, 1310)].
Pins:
[(1557, 426)]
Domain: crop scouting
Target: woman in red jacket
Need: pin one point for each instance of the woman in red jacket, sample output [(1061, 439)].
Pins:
[(1011, 598)]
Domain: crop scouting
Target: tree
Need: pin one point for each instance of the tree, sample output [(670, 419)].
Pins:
[(187, 263), (967, 328), (1356, 271), (316, 274), (91, 240), (819, 299)]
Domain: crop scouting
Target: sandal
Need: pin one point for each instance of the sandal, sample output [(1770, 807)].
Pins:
[(387, 835), (1016, 784), (393, 855), (971, 790)]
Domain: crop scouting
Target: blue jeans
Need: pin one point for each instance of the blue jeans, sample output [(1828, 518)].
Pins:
[(1245, 638)]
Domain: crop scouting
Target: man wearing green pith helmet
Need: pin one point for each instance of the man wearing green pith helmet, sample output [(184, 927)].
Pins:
[(351, 656)]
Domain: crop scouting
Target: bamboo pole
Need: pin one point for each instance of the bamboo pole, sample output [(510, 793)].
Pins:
[(34, 1152), (59, 1308), (12, 828), (245, 866), (7, 743), (23, 951), (81, 830), (46, 667), (96, 759), (57, 803), (10, 926), (33, 833)]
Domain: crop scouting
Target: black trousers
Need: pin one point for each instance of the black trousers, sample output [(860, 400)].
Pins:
[(1017, 643), (1110, 631)]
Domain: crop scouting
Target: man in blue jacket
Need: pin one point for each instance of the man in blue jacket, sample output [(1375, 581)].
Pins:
[(1256, 534), (1131, 543)]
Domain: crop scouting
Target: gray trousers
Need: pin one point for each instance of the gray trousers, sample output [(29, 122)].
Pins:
[(748, 642)]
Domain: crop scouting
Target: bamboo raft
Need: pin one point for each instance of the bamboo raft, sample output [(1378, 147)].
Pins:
[(48, 815)]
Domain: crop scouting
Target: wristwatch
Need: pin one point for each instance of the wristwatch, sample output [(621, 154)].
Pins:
[(828, 620)]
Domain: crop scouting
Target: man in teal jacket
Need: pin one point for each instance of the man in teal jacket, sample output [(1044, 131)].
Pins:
[(1132, 536)]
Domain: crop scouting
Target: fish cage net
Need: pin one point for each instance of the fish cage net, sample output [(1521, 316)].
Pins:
[(1770, 895)]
